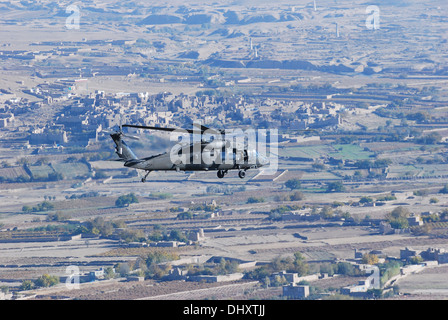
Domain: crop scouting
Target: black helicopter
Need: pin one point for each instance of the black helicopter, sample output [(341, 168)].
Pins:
[(220, 153)]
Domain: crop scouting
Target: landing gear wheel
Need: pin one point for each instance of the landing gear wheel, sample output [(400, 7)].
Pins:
[(146, 175), (242, 174), (221, 174)]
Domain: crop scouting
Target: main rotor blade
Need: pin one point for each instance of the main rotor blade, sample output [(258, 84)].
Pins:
[(192, 131), (108, 131), (130, 136), (156, 128), (210, 130), (120, 133), (202, 129)]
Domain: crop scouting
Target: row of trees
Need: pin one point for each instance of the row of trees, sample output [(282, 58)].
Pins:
[(222, 268), (40, 207), (336, 186), (398, 219), (295, 196), (369, 164), (326, 212), (43, 281), (161, 234), (226, 190), (296, 264), (48, 206), (109, 228), (105, 228)]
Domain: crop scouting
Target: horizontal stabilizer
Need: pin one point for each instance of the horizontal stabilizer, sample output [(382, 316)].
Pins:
[(122, 160), (130, 163)]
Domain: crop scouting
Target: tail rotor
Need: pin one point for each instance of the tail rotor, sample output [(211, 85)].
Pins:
[(121, 148)]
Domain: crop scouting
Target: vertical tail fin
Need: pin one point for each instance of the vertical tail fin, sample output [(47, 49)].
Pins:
[(121, 148)]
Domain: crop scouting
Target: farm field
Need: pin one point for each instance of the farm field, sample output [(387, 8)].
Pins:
[(337, 151), (431, 283), (350, 152)]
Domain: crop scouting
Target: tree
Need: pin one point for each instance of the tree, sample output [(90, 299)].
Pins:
[(326, 212), (293, 184), (345, 268), (185, 215), (398, 218), (58, 216), (296, 196), (109, 273), (123, 269), (255, 200), (416, 260), (55, 176), (419, 116), (131, 235), (421, 193), (336, 204), (226, 267), (346, 215), (126, 200), (267, 282), (363, 164), (318, 166), (365, 200), (157, 257), (27, 285), (43, 206), (444, 214), (400, 212), (27, 209), (327, 268), (399, 223), (432, 138), (275, 215), (300, 265), (444, 189), (335, 187), (370, 259), (382, 163), (375, 293), (176, 235), (100, 226), (46, 281), (279, 281)]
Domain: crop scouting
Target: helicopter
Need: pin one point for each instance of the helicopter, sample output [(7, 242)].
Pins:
[(220, 153)]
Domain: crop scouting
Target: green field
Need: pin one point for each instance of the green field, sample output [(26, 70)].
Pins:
[(71, 170), (321, 175), (40, 172), (312, 152), (350, 152), (337, 151), (424, 170), (68, 170)]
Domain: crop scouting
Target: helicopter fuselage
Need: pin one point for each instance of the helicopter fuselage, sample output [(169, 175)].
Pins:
[(220, 155), (204, 160)]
